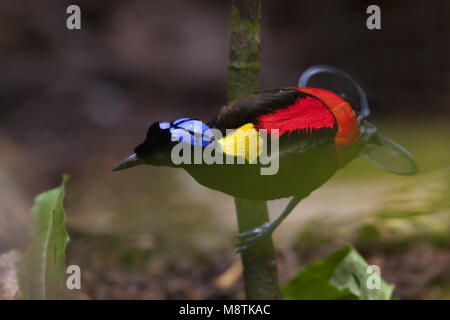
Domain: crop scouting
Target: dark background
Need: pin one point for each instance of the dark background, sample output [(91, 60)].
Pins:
[(135, 62), (79, 101)]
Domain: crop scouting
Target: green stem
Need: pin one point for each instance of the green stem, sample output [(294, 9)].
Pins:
[(260, 266), (260, 269)]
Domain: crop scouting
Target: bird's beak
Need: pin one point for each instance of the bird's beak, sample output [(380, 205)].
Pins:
[(129, 162)]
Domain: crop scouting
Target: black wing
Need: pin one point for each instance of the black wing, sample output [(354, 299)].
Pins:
[(248, 108)]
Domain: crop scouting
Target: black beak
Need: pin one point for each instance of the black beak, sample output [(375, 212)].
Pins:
[(129, 162)]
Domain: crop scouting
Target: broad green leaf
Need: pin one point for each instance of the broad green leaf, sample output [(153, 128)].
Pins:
[(353, 274), (43, 265), (341, 275)]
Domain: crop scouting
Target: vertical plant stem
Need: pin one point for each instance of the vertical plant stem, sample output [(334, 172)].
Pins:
[(243, 66), (260, 266), (260, 269)]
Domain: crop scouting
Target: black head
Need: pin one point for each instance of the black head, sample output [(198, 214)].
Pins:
[(155, 150), (161, 138)]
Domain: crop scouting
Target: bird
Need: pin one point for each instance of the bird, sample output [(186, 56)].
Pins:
[(319, 126)]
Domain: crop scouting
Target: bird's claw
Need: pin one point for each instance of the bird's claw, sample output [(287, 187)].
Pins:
[(251, 237)]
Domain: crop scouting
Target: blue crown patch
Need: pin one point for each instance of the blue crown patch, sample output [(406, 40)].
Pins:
[(187, 130)]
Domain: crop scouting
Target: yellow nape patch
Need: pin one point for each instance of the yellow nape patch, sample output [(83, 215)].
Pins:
[(244, 142)]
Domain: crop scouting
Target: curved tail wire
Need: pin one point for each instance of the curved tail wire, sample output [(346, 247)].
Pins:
[(313, 71), (374, 146), (387, 146)]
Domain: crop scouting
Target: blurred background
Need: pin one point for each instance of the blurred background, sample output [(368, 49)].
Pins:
[(77, 102)]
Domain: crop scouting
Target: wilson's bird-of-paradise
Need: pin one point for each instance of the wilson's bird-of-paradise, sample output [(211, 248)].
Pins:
[(320, 126)]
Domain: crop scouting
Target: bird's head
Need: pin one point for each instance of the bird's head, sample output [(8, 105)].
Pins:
[(162, 137)]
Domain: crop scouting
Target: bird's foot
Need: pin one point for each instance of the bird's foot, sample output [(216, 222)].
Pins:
[(250, 238)]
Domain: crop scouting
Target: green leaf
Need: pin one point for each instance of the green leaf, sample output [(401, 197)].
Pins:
[(43, 265), (341, 275)]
